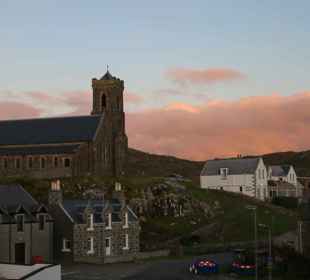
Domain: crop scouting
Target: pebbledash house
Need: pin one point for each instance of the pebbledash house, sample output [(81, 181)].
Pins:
[(94, 230), (69, 146)]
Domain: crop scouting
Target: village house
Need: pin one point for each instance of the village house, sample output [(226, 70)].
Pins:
[(94, 230), (69, 146), (282, 181), (246, 176), (26, 228)]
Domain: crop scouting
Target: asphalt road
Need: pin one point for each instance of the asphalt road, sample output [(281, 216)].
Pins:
[(157, 269)]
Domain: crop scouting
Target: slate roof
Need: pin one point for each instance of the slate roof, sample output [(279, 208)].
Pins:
[(49, 130), (15, 199), (39, 150), (236, 166), (13, 195), (76, 208), (108, 76), (279, 170)]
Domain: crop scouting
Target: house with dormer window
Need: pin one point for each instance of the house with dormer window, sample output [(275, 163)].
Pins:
[(26, 227), (94, 230), (246, 176)]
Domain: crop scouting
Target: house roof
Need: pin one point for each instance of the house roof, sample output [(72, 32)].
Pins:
[(49, 130), (14, 195), (39, 150), (235, 166), (279, 170), (76, 210)]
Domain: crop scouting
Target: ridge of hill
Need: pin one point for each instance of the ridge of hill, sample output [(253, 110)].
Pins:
[(151, 165)]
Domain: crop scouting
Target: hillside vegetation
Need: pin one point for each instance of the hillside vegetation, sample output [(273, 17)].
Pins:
[(144, 164)]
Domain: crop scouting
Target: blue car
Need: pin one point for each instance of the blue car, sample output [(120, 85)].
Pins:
[(203, 266)]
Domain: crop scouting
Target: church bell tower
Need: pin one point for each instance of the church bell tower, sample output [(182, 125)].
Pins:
[(108, 102)]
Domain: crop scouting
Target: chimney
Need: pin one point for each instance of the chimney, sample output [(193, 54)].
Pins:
[(55, 193), (118, 194)]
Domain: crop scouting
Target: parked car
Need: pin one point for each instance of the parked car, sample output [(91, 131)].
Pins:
[(203, 266), (243, 262)]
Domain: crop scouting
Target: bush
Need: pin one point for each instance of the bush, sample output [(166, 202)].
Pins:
[(286, 202)]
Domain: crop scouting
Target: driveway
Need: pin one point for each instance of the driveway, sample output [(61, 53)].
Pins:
[(157, 269)]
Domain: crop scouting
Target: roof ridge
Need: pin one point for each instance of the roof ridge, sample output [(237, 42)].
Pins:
[(48, 118)]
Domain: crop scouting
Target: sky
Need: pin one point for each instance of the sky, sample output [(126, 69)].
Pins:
[(203, 79)]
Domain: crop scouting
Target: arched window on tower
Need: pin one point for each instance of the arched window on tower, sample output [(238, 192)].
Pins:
[(103, 101)]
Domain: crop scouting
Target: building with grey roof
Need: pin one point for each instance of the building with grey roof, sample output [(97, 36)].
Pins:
[(26, 227), (94, 230), (69, 146), (246, 176)]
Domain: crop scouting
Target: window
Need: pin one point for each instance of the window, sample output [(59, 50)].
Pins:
[(30, 162), (5, 163), (67, 162), (224, 173), (42, 163), (109, 221), (241, 189), (90, 245), (17, 163), (66, 245), (126, 247), (41, 222), (103, 101), (20, 222), (55, 162), (90, 222), (126, 220)]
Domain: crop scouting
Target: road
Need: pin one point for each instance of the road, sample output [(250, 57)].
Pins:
[(157, 269)]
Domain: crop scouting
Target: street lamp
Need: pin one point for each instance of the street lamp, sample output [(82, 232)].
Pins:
[(254, 208), (263, 226)]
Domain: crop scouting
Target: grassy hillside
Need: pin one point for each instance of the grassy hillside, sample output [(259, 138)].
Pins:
[(144, 164)]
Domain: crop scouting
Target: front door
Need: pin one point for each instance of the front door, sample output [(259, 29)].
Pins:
[(20, 253), (108, 246)]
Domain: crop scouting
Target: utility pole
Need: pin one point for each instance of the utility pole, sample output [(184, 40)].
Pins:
[(253, 208), (269, 249)]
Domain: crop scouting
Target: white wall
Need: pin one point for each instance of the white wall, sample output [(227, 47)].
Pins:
[(252, 184), (12, 271)]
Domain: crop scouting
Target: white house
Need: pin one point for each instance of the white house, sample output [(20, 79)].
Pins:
[(240, 175), (284, 173), (283, 181)]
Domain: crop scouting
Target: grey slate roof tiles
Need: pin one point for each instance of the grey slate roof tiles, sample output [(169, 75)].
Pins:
[(49, 130), (235, 166)]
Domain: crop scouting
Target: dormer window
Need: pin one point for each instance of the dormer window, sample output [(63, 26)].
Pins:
[(67, 162), (109, 221), (126, 221), (20, 222), (90, 222), (43, 163), (224, 173)]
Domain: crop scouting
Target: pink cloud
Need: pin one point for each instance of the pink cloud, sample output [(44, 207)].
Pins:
[(203, 76), (252, 125), (132, 98), (14, 110)]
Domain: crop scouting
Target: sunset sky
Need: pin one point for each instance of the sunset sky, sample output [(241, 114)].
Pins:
[(203, 78)]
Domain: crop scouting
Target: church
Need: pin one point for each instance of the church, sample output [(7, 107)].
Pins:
[(59, 147)]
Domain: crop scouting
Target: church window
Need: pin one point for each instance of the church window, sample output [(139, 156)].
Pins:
[(17, 163), (56, 162), (30, 162), (43, 162), (5, 163), (41, 221), (67, 162), (103, 101)]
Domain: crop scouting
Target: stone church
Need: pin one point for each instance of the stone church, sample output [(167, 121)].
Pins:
[(69, 146)]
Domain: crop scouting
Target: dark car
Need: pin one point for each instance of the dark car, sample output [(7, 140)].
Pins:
[(203, 266), (243, 263)]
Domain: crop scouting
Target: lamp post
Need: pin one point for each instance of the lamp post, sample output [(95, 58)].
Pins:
[(254, 208), (263, 226)]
